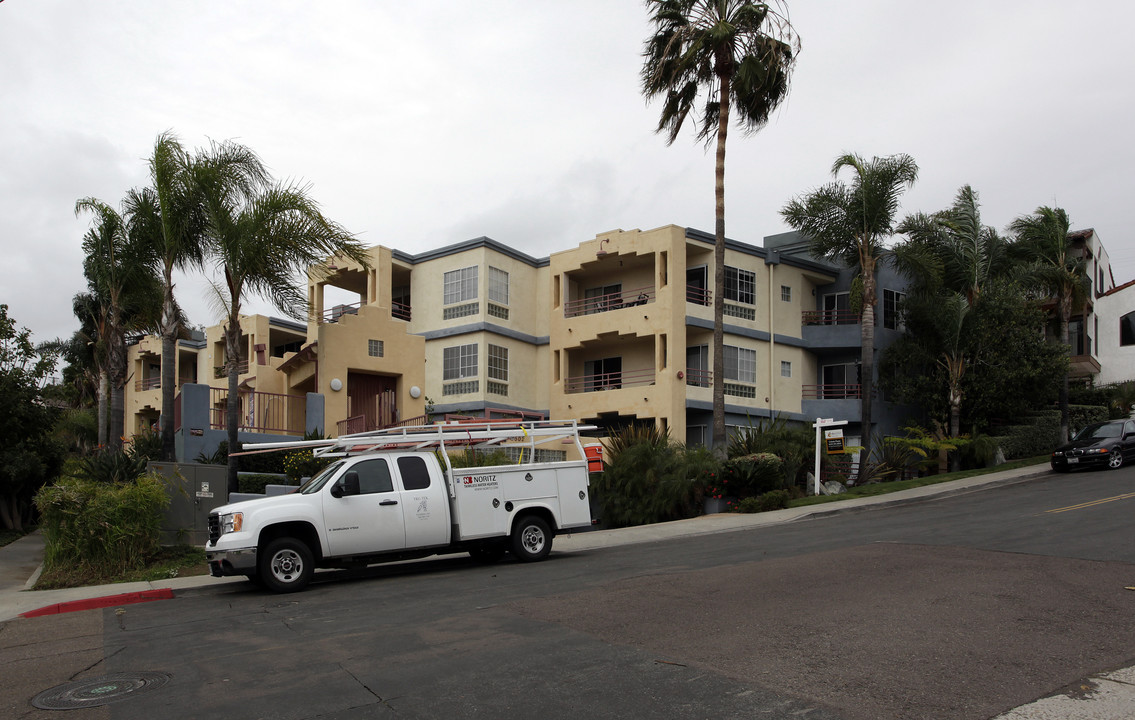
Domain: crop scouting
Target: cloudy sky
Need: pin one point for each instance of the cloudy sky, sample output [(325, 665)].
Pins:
[(418, 125)]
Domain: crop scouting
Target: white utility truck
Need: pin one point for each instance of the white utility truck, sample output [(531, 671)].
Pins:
[(386, 496)]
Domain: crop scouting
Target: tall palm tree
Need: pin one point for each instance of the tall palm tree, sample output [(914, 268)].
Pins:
[(1057, 268), (965, 256), (261, 237), (117, 267), (851, 224), (89, 308), (736, 53)]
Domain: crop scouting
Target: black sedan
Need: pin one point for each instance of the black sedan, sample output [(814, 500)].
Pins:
[(1108, 443)]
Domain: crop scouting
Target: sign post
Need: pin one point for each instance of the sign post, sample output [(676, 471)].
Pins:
[(821, 425)]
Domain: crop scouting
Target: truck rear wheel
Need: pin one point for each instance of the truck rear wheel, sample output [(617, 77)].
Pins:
[(531, 539), (286, 565)]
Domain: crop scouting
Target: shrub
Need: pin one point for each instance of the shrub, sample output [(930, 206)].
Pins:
[(477, 458), (794, 444), (648, 479), (299, 464), (1039, 436), (111, 466), (772, 500), (103, 527), (751, 475), (1080, 416), (256, 483), (146, 445)]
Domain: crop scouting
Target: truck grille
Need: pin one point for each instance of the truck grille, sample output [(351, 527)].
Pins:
[(214, 527)]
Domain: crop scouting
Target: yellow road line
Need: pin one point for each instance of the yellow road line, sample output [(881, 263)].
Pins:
[(1090, 504)]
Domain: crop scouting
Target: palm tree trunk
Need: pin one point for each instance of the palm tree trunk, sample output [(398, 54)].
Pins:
[(1065, 315), (719, 439), (867, 359), (169, 367), (116, 370), (232, 404), (104, 392)]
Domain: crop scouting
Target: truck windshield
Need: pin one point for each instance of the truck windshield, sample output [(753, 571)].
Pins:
[(320, 479)]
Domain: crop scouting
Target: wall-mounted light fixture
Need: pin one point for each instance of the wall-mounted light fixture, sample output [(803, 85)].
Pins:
[(415, 392), (336, 384)]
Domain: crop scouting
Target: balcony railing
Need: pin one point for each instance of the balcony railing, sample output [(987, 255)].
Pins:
[(358, 424), (699, 378), (150, 383), (261, 412), (332, 315), (698, 295), (829, 317), (399, 311), (241, 369), (608, 381), (831, 392), (611, 301)]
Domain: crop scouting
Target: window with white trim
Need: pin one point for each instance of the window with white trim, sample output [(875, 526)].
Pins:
[(459, 285), (459, 361), (740, 285), (498, 286), (498, 363), (740, 364)]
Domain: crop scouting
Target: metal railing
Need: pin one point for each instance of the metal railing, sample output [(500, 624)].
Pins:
[(612, 301), (150, 383), (699, 378), (332, 315), (829, 317), (608, 381), (831, 392), (241, 369), (260, 411), (399, 311), (699, 295)]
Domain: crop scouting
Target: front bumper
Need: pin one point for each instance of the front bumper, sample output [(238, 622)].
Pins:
[(241, 561), (1076, 461)]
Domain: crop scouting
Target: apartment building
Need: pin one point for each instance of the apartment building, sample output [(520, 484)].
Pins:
[(615, 331)]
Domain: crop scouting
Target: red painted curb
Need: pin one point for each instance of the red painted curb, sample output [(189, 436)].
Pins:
[(102, 602)]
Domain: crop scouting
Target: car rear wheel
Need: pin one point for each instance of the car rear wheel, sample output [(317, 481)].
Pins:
[(1115, 459)]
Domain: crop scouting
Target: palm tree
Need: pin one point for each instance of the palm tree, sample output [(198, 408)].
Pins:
[(169, 214), (851, 223), (741, 54), (964, 256), (1058, 269), (261, 236), (117, 267)]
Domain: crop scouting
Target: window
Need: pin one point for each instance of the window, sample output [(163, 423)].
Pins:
[(459, 285), (786, 293), (1127, 329), (415, 474), (697, 366), (740, 285), (375, 348), (498, 286), (785, 369), (374, 477), (696, 290), (892, 309), (740, 364), (837, 309), (459, 362), (840, 381), (498, 363)]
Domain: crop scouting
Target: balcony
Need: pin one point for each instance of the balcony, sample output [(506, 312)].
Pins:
[(605, 303), (333, 315), (398, 311), (241, 369), (699, 295), (150, 383), (831, 392), (829, 317), (608, 381), (261, 412), (699, 378)]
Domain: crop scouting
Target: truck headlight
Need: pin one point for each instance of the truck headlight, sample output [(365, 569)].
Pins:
[(232, 522)]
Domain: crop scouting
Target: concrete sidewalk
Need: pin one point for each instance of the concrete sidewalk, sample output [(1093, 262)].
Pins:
[(21, 561)]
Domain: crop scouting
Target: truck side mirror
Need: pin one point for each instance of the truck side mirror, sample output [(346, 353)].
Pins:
[(347, 485)]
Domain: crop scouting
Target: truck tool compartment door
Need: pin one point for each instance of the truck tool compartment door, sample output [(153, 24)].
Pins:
[(369, 522)]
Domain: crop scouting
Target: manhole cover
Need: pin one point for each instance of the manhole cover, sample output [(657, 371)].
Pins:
[(98, 691)]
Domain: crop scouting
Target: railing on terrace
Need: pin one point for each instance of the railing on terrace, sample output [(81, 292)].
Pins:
[(150, 383), (699, 295), (260, 411), (358, 424), (399, 311), (612, 301), (831, 392), (241, 369), (332, 315), (608, 381), (495, 415), (699, 378), (829, 317)]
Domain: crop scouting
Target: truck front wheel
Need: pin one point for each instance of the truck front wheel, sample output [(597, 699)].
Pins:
[(531, 539), (286, 565)]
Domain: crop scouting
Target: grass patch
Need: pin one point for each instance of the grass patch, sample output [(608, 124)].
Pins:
[(883, 488), (170, 562)]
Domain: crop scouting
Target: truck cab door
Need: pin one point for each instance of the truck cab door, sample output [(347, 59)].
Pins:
[(425, 503), (369, 522)]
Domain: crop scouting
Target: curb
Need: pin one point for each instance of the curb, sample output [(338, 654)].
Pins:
[(101, 602)]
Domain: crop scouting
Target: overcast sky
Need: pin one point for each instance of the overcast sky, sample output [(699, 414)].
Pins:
[(418, 125)]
